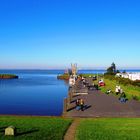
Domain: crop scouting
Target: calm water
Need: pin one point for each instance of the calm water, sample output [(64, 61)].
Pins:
[(36, 92)]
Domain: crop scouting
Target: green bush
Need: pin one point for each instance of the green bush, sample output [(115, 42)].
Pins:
[(135, 97), (124, 81)]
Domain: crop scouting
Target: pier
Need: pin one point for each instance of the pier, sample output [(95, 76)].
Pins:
[(97, 104)]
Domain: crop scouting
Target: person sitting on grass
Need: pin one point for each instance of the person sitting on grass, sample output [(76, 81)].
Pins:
[(108, 91)]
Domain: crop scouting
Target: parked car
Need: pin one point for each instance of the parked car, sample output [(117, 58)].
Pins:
[(101, 84)]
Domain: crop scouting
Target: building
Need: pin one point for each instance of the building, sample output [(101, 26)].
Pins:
[(134, 76), (131, 76), (74, 69)]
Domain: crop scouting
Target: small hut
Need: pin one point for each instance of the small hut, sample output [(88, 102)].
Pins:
[(10, 131)]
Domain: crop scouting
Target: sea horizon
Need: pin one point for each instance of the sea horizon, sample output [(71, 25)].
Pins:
[(69, 68)]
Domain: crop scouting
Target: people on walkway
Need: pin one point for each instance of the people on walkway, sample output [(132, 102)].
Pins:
[(82, 104), (122, 98), (78, 104)]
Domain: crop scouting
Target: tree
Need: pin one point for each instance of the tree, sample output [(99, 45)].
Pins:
[(112, 69), (117, 71), (124, 71)]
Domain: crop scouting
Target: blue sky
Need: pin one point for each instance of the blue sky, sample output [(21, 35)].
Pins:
[(46, 34)]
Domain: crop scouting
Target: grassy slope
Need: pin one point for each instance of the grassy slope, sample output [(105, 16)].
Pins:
[(35, 128), (87, 75), (129, 89), (109, 129)]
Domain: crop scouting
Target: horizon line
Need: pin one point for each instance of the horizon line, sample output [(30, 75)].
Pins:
[(66, 68)]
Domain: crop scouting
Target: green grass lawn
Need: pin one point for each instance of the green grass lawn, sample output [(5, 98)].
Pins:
[(109, 129), (35, 128), (87, 75)]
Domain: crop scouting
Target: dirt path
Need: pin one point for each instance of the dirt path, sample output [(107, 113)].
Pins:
[(70, 134)]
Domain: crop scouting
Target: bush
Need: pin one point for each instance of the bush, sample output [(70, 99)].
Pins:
[(135, 97), (124, 81)]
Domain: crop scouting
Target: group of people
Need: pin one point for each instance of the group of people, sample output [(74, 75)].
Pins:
[(88, 85), (80, 104), (120, 91), (84, 82)]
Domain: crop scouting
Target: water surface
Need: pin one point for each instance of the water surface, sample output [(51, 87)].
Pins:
[(34, 93)]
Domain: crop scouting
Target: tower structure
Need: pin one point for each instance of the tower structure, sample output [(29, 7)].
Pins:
[(74, 69)]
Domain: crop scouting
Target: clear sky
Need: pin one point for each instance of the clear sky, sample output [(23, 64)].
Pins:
[(44, 34)]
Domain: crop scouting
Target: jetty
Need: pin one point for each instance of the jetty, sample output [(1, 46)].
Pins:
[(8, 76), (97, 104)]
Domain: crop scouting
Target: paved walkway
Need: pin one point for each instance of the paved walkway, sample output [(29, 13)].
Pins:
[(102, 105), (70, 134)]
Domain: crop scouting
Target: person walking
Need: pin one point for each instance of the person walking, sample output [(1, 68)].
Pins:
[(78, 104), (82, 104)]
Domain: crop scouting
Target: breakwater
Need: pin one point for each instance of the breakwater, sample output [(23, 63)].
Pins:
[(8, 76)]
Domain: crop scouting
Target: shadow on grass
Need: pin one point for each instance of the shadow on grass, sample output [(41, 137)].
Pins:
[(2, 129), (27, 132)]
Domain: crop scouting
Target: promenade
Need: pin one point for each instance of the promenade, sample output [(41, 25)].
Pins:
[(99, 104)]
